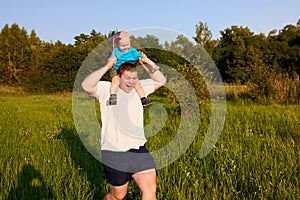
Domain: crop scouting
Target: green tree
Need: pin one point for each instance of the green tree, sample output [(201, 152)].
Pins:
[(86, 43), (238, 49), (15, 54), (204, 37), (36, 52), (149, 41), (57, 72), (289, 38)]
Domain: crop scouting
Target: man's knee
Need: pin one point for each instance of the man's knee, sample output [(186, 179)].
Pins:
[(150, 189), (117, 192), (115, 196)]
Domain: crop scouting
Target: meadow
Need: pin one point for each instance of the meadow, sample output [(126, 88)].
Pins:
[(256, 157)]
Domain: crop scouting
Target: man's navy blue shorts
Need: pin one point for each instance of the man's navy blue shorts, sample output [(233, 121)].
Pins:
[(120, 166)]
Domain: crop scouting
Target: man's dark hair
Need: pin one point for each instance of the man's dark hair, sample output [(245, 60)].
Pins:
[(126, 67)]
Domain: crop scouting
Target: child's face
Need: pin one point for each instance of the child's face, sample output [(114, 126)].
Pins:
[(124, 43)]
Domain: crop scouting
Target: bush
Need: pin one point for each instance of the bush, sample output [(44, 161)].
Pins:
[(272, 87)]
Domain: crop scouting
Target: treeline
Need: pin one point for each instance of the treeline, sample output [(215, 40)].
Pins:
[(268, 64)]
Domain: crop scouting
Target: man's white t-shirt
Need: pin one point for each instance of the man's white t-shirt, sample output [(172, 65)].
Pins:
[(122, 124)]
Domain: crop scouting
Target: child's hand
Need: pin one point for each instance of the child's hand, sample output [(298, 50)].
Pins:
[(143, 54), (144, 59)]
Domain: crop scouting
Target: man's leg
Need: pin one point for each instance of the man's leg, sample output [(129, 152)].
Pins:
[(117, 192), (147, 183)]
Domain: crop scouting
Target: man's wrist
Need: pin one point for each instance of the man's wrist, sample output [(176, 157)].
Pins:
[(107, 67)]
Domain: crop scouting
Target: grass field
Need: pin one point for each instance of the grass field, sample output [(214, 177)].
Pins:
[(256, 157)]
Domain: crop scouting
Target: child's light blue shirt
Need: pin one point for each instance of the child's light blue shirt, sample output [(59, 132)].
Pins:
[(130, 56)]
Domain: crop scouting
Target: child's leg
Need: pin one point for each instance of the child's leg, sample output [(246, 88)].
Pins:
[(115, 80), (140, 91)]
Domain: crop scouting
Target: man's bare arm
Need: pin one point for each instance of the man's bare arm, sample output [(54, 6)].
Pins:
[(89, 84)]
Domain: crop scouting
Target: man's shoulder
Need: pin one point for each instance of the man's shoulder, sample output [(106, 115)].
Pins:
[(104, 82), (102, 85), (102, 92), (148, 85), (146, 81)]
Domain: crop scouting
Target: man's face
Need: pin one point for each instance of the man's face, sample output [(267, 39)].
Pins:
[(128, 81), (124, 44)]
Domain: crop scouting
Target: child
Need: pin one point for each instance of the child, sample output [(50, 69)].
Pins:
[(124, 53)]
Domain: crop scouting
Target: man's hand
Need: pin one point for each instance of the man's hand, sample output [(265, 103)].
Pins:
[(111, 61), (143, 59), (151, 66)]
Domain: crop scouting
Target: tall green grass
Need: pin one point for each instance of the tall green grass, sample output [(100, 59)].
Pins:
[(256, 157)]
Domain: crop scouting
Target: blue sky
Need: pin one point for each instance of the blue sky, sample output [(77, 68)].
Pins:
[(63, 19)]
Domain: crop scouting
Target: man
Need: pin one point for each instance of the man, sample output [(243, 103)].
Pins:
[(124, 155)]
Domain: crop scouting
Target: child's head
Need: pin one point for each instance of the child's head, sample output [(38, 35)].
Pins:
[(124, 41)]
